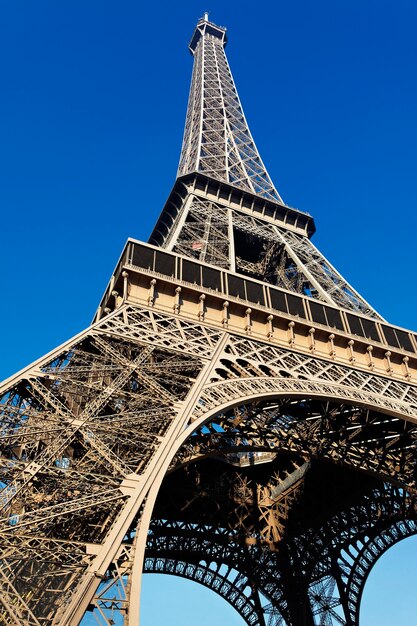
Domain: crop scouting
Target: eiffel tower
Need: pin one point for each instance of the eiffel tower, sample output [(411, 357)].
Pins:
[(236, 414)]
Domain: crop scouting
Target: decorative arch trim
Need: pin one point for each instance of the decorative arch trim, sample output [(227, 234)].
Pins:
[(220, 396), (207, 577)]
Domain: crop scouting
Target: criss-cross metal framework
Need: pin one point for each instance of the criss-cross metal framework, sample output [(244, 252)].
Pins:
[(217, 140), (236, 414)]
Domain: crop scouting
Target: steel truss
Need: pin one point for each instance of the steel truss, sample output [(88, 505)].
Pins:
[(221, 236), (217, 139), (85, 427), (312, 573), (273, 466), (218, 143)]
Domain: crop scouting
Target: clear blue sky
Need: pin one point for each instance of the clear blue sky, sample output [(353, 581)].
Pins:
[(92, 107)]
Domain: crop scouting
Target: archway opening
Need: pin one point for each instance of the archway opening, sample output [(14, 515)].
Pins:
[(389, 592), (180, 602)]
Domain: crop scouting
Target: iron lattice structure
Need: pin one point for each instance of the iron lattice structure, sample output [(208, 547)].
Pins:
[(236, 414), (217, 140)]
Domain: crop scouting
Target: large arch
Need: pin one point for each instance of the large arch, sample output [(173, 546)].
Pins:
[(219, 398), (356, 554), (375, 445), (272, 396)]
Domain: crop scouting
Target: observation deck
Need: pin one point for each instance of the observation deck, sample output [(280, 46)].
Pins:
[(204, 27)]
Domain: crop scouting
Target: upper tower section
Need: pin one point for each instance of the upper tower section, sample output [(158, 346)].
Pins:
[(204, 27), (217, 141)]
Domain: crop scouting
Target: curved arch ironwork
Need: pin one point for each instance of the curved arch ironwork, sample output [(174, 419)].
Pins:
[(336, 581), (342, 431), (302, 430), (231, 587), (367, 557)]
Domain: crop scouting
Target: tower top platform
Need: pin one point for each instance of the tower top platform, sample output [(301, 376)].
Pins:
[(205, 27)]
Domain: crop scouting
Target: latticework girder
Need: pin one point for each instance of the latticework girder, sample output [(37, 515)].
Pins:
[(218, 235), (317, 572), (217, 140), (68, 486), (114, 397), (216, 421)]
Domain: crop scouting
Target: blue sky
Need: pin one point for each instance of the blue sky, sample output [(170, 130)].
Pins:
[(92, 108)]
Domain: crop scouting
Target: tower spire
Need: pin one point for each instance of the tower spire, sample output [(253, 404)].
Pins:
[(217, 140)]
